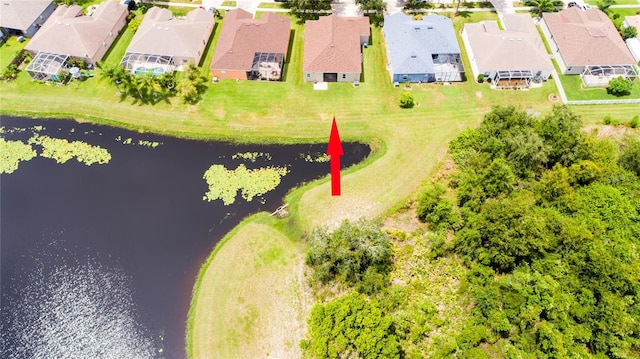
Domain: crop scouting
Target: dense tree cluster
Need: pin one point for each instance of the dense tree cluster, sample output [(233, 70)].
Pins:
[(357, 254), (309, 9), (550, 229), (351, 327)]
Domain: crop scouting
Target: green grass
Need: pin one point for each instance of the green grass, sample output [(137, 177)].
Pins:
[(575, 90), (270, 5), (9, 50), (408, 144), (267, 292), (229, 3)]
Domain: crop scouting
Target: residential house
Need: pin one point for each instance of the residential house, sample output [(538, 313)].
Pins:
[(24, 17), (633, 43), (513, 57), (163, 43), (422, 50), (586, 43), (251, 49), (333, 48), (68, 33)]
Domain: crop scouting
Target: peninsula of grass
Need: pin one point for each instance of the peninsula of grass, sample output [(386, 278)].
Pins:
[(409, 143)]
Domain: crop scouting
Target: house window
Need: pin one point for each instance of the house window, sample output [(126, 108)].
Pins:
[(344, 76), (308, 75), (405, 77), (223, 73)]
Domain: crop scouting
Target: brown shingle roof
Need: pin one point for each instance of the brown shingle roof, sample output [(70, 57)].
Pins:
[(242, 36), (332, 44), (162, 34), (20, 14), (68, 32), (587, 38), (518, 47)]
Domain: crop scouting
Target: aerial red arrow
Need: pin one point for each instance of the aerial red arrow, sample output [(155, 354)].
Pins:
[(335, 151)]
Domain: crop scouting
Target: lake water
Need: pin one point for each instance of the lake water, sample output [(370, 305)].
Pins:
[(99, 261)]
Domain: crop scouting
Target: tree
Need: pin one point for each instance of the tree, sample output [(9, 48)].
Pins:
[(605, 5), (406, 100), (374, 8), (309, 9), (619, 86), (351, 327), (357, 254), (433, 209), (540, 6), (561, 131), (192, 85), (628, 32), (630, 156)]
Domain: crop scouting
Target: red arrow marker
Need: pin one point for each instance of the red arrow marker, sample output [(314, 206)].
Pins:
[(335, 151)]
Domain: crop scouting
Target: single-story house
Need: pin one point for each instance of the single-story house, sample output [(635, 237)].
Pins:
[(24, 17), (586, 43), (513, 57), (163, 43), (333, 48), (251, 49), (633, 43), (68, 33), (422, 50)]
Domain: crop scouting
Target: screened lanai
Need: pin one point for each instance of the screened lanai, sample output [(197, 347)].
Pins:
[(47, 67), (512, 79), (593, 76), (141, 64), (266, 66)]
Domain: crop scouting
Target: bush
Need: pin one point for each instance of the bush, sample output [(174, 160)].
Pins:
[(634, 122), (619, 86), (481, 78), (406, 100)]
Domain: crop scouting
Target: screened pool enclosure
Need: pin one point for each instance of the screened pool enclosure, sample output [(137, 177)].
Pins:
[(48, 67)]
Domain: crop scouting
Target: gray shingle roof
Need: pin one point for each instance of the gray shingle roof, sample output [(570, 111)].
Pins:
[(411, 43), (20, 14)]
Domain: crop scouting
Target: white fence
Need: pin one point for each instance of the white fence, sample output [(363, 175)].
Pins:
[(602, 102)]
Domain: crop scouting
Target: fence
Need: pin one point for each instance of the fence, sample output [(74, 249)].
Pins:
[(602, 102)]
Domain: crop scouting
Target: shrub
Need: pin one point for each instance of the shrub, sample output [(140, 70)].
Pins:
[(607, 120), (634, 121), (406, 100), (619, 86), (481, 78)]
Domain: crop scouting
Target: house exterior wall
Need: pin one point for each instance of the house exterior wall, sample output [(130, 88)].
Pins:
[(342, 77), (33, 28), (230, 74), (364, 39)]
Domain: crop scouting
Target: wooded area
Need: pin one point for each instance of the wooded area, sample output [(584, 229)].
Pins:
[(539, 228)]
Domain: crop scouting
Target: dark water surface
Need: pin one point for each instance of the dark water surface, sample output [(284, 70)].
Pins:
[(99, 261)]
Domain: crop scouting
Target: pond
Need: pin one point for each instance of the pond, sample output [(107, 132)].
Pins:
[(99, 261)]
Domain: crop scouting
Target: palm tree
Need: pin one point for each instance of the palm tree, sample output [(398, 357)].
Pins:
[(540, 6)]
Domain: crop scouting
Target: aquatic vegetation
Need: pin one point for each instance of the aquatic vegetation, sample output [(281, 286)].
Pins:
[(251, 156), (145, 143), (62, 150), (317, 157), (224, 184), (12, 152)]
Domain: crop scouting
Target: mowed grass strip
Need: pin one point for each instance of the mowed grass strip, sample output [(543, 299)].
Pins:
[(260, 313)]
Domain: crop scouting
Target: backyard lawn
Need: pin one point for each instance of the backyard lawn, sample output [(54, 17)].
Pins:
[(9, 50), (408, 145)]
